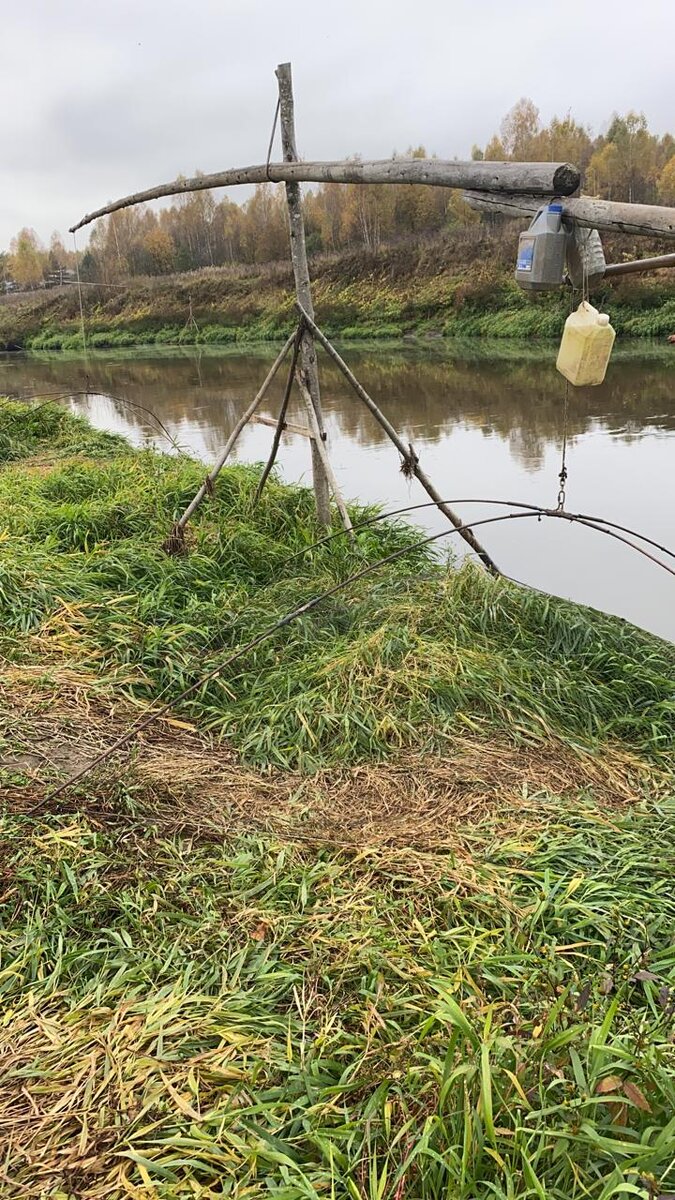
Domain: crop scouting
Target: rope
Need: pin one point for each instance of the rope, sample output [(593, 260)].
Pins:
[(269, 148)]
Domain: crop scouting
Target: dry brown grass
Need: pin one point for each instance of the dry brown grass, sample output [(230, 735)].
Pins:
[(62, 719)]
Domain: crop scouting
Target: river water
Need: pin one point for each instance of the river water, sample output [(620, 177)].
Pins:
[(486, 421)]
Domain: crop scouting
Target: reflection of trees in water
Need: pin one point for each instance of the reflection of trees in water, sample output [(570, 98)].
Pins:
[(424, 395)]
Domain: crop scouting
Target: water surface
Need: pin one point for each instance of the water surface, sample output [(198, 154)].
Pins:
[(486, 423)]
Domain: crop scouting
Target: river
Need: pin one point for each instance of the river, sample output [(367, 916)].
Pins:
[(486, 421)]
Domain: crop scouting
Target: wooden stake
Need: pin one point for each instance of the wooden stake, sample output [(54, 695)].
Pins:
[(281, 420), (407, 453), (321, 450), (303, 289), (227, 448)]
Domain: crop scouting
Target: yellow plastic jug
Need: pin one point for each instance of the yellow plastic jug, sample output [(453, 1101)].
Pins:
[(586, 345)]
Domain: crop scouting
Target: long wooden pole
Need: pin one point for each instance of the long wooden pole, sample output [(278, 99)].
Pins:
[(406, 452), (647, 220), (542, 179), (658, 263), (321, 449), (303, 288), (227, 448)]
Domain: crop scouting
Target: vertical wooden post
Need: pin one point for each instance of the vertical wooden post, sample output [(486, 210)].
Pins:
[(303, 289)]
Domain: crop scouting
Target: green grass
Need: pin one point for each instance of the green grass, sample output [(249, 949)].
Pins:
[(399, 660), (188, 1013), (243, 1017)]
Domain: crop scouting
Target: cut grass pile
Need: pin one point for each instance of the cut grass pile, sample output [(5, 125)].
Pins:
[(404, 932)]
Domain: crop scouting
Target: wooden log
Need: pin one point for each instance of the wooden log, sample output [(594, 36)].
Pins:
[(303, 288), (227, 448), (407, 452), (641, 264), (643, 220), (321, 449), (289, 426), (541, 179)]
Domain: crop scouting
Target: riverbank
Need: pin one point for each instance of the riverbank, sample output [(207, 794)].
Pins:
[(460, 285), (385, 909)]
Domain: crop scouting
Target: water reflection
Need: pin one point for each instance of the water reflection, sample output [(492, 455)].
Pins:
[(483, 427)]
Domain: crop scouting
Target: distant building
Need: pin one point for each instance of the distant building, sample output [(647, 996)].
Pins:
[(61, 276)]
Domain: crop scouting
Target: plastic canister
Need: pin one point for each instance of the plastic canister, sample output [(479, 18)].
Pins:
[(541, 251), (585, 347)]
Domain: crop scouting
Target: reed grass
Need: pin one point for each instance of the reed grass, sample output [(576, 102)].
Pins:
[(202, 999)]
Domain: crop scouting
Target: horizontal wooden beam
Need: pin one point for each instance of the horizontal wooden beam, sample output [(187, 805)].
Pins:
[(636, 265), (289, 426), (539, 179), (644, 220)]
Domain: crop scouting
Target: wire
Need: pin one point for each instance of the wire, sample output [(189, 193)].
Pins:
[(535, 508), (52, 396), (79, 296), (302, 610)]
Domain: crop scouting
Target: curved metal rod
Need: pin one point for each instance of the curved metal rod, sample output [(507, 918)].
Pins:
[(300, 611), (50, 397), (534, 508)]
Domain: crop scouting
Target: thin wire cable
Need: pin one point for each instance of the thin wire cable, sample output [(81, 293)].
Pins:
[(79, 296), (562, 474), (53, 396), (138, 726)]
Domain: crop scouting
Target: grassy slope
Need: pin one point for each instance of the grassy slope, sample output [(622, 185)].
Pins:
[(459, 285), (192, 1008)]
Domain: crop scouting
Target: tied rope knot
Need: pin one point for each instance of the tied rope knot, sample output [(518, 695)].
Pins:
[(409, 462)]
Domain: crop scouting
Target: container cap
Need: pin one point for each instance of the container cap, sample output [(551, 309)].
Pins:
[(603, 319), (555, 208)]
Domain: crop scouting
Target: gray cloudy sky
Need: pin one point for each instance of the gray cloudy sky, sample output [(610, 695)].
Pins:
[(103, 98)]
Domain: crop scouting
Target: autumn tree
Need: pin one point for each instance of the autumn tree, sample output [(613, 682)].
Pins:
[(519, 130), (27, 259), (667, 182), (197, 230), (59, 259)]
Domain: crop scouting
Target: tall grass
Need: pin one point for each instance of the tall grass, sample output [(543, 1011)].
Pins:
[(193, 1015), (246, 1018), (409, 656)]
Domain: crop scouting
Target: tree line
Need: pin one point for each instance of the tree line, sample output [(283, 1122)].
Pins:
[(628, 162)]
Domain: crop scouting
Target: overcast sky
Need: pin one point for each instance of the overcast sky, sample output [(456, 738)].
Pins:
[(99, 99)]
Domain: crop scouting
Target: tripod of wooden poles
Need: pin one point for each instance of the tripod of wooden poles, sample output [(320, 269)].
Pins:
[(303, 371)]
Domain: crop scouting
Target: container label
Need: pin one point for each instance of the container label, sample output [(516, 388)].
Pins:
[(525, 254)]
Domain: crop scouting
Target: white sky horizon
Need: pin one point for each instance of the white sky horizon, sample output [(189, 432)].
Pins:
[(100, 101)]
